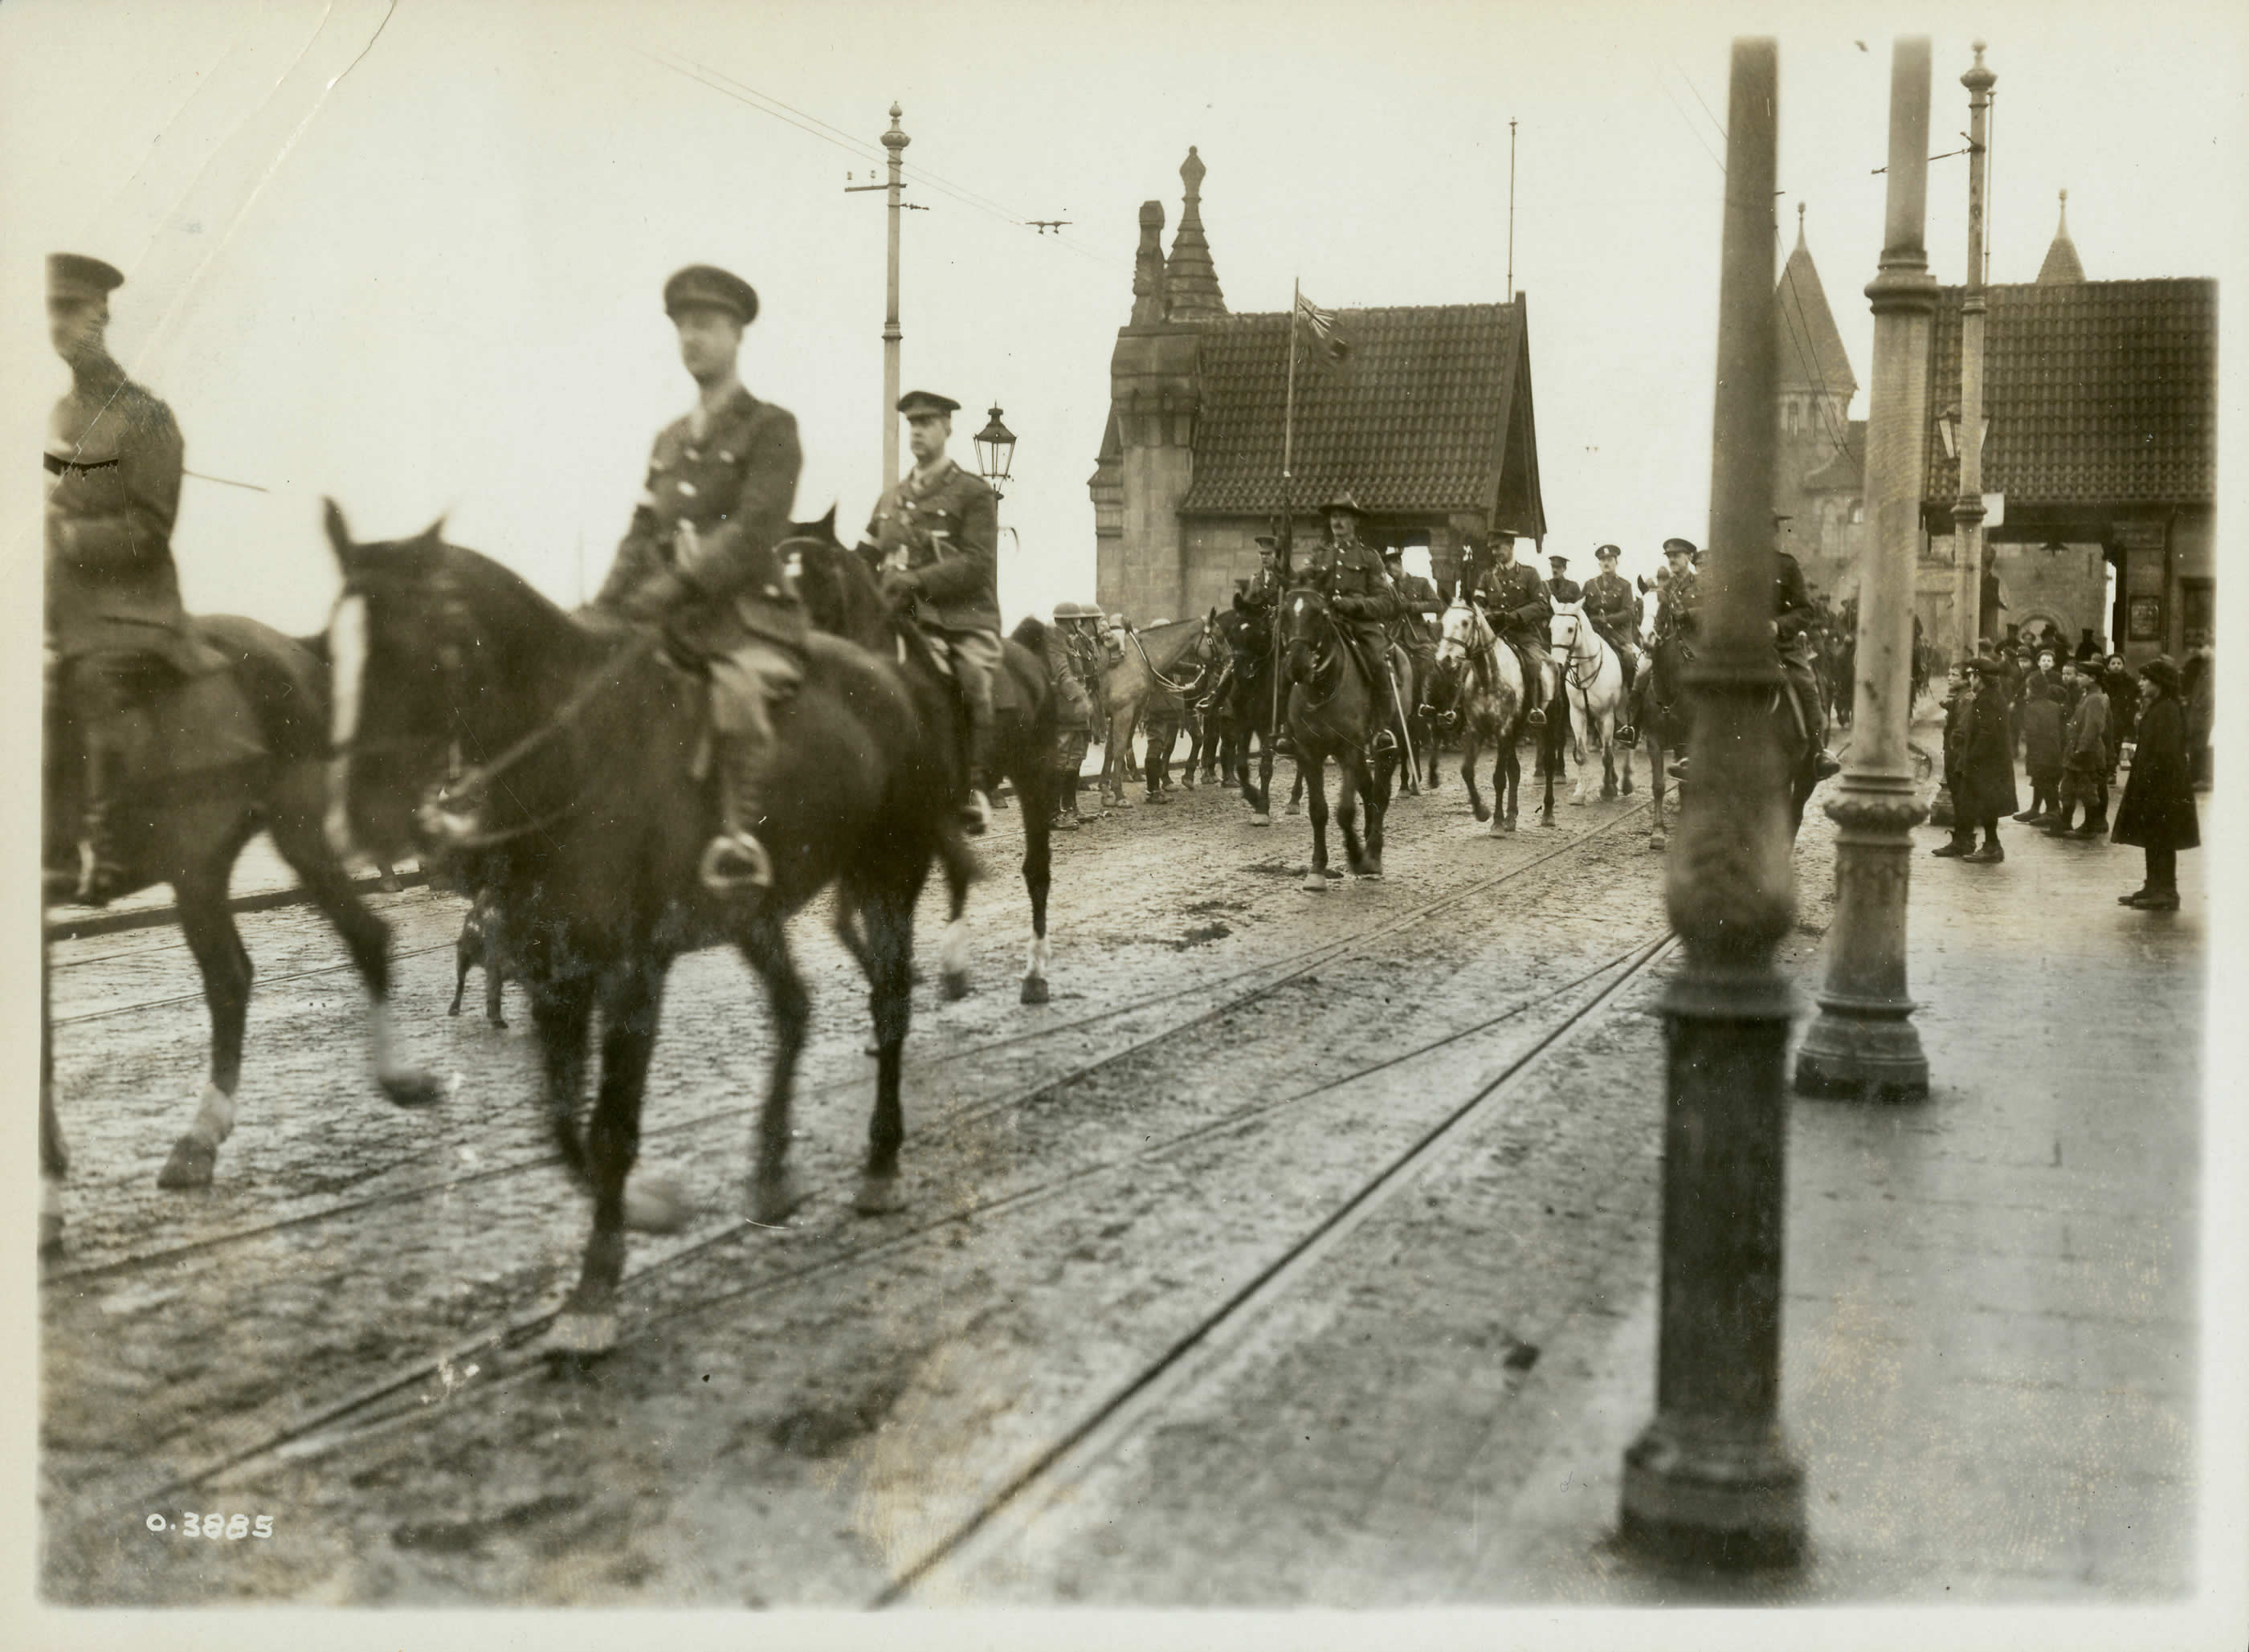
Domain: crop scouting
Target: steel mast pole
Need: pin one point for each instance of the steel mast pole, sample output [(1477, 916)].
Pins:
[(1968, 509), (1710, 1481), (895, 141), (1863, 1044)]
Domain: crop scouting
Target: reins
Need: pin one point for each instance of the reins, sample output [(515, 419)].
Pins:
[(1155, 676)]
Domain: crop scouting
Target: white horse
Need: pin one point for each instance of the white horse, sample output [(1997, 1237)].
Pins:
[(1479, 681), (1592, 685)]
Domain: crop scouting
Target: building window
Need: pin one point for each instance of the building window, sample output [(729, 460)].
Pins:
[(1858, 510)]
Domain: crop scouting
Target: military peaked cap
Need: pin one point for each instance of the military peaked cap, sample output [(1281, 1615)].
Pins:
[(706, 286), (73, 275), (1685, 546), (1392, 553), (1556, 556), (1266, 542), (1606, 554), (915, 401)]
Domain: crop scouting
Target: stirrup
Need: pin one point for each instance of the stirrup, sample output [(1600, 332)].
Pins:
[(1824, 767), (1383, 741), (734, 862), (1626, 734), (1534, 718)]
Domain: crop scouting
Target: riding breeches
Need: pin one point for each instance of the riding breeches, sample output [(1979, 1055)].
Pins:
[(107, 690), (744, 681), (1796, 662), (975, 656)]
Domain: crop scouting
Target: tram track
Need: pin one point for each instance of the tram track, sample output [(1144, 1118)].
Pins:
[(1266, 976), (474, 1370)]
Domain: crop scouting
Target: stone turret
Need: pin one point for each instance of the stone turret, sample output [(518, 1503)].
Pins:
[(2061, 268), (1154, 396), (1152, 304), (1191, 278)]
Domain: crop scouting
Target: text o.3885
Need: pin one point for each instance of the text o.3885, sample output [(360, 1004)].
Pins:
[(216, 1526)]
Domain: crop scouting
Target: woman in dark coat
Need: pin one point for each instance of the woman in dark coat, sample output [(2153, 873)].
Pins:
[(1987, 761), (2157, 811), (2123, 709), (1959, 695), (2042, 721)]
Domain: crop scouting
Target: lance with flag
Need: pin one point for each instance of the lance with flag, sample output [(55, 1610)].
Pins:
[(1304, 316)]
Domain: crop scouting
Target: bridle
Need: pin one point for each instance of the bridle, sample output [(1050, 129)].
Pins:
[(1306, 601)]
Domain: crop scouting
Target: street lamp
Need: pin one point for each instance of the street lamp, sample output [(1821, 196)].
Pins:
[(1948, 430), (995, 451)]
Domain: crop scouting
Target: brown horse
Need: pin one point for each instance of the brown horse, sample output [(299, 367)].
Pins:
[(228, 755), (843, 598), (586, 815), (1665, 714), (1336, 709)]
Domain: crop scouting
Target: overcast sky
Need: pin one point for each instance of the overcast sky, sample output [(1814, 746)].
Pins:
[(409, 255)]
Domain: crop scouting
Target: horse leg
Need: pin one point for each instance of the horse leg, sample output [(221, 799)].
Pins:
[(1468, 774), (1656, 836), (1315, 768), (562, 1017), (226, 970), (1259, 794), (1296, 791), (1351, 784), (631, 997), (54, 1157), (952, 949), (1038, 878), (298, 834), (1377, 796), (1507, 786), (774, 1190), (889, 934), (495, 937)]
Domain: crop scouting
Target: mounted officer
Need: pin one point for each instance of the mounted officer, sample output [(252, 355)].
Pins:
[(1560, 586), (1680, 592), (1613, 608), (116, 630), (1345, 570), (935, 540), (1416, 629), (1792, 618), (1514, 598), (699, 558)]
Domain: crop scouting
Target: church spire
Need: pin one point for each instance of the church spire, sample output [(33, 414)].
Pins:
[(1812, 358), (2061, 268), (1190, 274)]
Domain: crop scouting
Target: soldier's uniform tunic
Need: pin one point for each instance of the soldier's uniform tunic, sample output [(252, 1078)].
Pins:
[(1793, 614), (1517, 599), (1676, 604), (1613, 608), (725, 599), (941, 527)]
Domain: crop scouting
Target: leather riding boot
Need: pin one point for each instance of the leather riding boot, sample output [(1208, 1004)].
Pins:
[(976, 813), (735, 862), (102, 874)]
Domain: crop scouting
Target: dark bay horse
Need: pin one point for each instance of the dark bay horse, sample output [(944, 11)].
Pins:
[(1336, 709), (228, 755), (1251, 707), (1665, 719), (584, 813), (843, 598)]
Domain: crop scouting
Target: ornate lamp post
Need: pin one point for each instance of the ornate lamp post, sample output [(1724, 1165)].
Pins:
[(1965, 441), (1864, 1043), (1709, 1480), (995, 457)]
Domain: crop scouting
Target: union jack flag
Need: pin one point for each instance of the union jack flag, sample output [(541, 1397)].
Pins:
[(1324, 326)]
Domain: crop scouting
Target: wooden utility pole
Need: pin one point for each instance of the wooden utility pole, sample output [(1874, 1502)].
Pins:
[(1710, 1481), (1864, 1043)]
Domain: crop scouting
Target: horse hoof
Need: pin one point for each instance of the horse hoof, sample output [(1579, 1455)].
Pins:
[(878, 1195), (1481, 812), (656, 1204), (953, 984), (1316, 884), (1259, 818), (773, 1198), (498, 1023), (1294, 808), (190, 1166), (1034, 989), (577, 1336), (1577, 803), (1657, 842), (1627, 786), (455, 1010), (411, 1089)]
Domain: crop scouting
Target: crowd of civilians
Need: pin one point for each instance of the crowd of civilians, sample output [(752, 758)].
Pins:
[(2075, 723)]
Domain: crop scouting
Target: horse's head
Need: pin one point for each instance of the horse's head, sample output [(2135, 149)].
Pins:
[(841, 596), (424, 640), (1463, 632), (1305, 625), (1565, 627)]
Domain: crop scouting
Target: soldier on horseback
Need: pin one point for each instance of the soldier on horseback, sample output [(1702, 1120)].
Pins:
[(116, 630), (1347, 573), (1792, 616), (1420, 610), (1514, 598), (1613, 608), (699, 558), (935, 540)]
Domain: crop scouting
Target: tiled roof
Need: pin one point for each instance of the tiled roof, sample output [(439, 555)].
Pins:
[(2099, 392), (1414, 421), (1811, 356)]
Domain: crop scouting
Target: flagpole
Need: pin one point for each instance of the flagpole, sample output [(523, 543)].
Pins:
[(1289, 430)]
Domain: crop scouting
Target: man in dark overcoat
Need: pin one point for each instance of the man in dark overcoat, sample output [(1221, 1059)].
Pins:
[(1987, 761), (2085, 763), (2156, 813), (1959, 701)]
